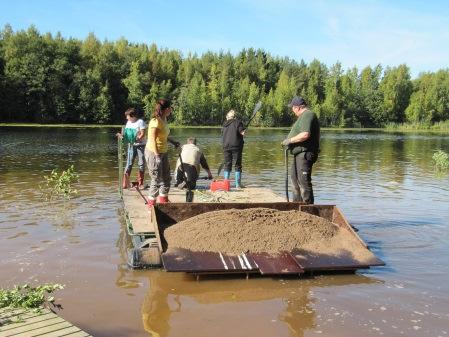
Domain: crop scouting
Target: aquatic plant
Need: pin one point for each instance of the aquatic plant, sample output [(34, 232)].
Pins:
[(441, 160), (59, 185), (28, 297)]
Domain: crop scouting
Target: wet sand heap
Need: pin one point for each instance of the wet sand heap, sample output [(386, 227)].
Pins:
[(255, 230)]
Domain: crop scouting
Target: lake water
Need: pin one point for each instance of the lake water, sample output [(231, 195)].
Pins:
[(384, 183)]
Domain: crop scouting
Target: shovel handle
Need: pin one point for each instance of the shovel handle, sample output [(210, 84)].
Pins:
[(286, 172)]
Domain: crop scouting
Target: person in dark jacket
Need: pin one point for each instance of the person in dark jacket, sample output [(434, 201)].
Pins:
[(232, 138), (304, 143)]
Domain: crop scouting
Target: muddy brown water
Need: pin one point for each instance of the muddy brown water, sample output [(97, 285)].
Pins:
[(384, 183)]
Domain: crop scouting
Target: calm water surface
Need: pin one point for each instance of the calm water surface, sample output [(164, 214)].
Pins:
[(384, 183)]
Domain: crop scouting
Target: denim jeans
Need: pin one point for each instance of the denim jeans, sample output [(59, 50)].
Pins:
[(133, 152)]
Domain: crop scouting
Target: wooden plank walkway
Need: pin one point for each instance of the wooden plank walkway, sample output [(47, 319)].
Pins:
[(21, 323)]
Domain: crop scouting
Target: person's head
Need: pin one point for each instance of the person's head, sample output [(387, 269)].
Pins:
[(131, 114), (298, 105), (230, 115), (162, 108), (191, 140)]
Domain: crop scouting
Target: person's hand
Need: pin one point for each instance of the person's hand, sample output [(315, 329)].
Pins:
[(119, 135), (176, 144), (210, 177), (158, 159), (286, 142)]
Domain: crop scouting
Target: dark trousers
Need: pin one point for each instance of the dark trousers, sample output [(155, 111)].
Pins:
[(190, 177), (229, 156), (301, 177)]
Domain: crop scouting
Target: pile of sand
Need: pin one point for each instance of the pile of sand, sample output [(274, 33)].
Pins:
[(255, 230)]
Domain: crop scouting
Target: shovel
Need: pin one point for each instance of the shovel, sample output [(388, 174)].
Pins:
[(286, 172), (219, 169)]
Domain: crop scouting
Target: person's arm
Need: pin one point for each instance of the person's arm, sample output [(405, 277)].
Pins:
[(140, 135), (241, 129), (120, 134), (152, 134), (205, 166), (141, 132), (300, 137), (304, 131)]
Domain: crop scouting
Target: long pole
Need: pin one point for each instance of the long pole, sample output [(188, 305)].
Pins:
[(120, 163), (286, 173)]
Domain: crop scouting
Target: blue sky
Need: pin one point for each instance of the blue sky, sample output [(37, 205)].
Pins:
[(356, 33)]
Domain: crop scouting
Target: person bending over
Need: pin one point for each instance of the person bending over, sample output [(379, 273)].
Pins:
[(192, 160)]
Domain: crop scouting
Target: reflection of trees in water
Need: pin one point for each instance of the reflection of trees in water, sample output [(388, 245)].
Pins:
[(168, 292), (388, 155)]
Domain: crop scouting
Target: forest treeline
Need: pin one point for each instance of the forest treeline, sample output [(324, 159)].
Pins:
[(47, 78)]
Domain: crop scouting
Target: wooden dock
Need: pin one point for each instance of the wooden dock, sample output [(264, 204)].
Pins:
[(22, 323)]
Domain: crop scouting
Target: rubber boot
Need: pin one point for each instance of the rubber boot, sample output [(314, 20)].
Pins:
[(162, 199), (151, 202), (238, 180), (226, 175), (125, 181), (140, 178)]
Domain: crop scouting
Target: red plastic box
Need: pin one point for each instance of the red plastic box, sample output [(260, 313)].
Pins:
[(220, 185)]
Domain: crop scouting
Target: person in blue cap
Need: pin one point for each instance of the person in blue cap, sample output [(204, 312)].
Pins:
[(304, 143)]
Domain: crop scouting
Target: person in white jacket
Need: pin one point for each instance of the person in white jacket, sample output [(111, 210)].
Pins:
[(135, 138), (192, 159)]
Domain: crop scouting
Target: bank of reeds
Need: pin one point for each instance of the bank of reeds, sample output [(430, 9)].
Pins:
[(440, 126)]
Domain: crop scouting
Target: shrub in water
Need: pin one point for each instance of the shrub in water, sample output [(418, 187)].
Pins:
[(60, 185), (441, 160)]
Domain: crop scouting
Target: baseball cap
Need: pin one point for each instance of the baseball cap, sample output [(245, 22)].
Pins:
[(297, 101)]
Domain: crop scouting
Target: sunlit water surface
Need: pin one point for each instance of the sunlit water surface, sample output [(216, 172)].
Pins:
[(384, 183)]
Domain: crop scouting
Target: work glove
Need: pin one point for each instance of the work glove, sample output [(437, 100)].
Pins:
[(286, 142)]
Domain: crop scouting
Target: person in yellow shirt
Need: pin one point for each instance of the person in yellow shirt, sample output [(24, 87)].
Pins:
[(156, 153)]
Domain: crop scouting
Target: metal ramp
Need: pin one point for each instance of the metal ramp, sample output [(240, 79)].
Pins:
[(296, 262)]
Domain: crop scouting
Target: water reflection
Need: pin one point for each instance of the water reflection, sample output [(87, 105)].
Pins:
[(255, 307), (384, 183)]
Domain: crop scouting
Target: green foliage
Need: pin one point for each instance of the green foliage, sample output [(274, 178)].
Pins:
[(59, 185), (49, 79), (396, 88), (441, 160), (430, 100), (28, 297)]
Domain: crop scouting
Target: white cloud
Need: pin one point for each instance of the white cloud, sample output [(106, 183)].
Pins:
[(361, 33)]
